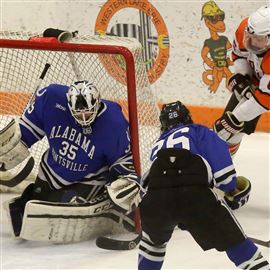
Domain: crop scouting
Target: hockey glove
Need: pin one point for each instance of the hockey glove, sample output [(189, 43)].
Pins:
[(125, 194), (240, 196), (240, 85), (13, 151), (227, 126)]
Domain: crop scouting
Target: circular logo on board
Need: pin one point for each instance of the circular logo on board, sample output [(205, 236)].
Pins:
[(155, 42)]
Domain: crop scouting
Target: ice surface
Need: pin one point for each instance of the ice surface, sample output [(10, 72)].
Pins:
[(252, 161)]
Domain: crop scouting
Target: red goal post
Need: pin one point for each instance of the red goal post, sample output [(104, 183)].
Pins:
[(114, 64)]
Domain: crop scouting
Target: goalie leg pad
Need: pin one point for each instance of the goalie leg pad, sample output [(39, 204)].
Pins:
[(66, 222)]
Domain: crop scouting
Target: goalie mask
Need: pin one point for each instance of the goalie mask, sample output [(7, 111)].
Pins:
[(173, 114), (257, 32), (83, 102)]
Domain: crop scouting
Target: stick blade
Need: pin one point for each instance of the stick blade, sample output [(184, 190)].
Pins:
[(115, 244)]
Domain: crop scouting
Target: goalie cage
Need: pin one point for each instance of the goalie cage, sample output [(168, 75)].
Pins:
[(114, 64)]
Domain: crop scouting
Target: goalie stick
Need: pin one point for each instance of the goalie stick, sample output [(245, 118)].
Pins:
[(116, 244), (38, 84), (65, 36), (17, 179), (260, 242)]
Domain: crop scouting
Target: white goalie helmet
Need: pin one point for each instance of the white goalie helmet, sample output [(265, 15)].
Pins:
[(257, 32), (83, 102)]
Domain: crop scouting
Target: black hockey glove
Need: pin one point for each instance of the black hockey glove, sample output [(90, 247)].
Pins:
[(227, 126), (240, 84), (240, 196)]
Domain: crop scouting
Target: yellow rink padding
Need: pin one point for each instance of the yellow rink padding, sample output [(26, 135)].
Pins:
[(13, 103)]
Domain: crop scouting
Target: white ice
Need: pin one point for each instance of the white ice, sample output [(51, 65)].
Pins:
[(252, 161)]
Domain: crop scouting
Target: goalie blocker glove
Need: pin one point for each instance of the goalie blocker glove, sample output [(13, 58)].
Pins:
[(227, 126), (237, 199), (125, 193), (240, 84)]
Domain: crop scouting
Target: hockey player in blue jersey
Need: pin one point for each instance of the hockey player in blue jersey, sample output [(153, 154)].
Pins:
[(89, 151), (188, 161)]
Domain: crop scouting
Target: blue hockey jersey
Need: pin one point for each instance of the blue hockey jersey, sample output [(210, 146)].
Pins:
[(76, 154), (202, 141)]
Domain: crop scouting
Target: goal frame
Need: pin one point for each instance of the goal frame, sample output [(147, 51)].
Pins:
[(95, 48)]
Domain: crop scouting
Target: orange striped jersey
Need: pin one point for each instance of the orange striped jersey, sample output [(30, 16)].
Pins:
[(259, 65)]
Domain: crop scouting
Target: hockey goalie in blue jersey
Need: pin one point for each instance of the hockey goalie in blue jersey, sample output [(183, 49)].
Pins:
[(188, 161), (89, 156)]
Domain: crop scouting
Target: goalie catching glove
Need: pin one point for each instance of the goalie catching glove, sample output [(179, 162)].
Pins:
[(227, 126), (12, 150), (125, 193), (240, 196)]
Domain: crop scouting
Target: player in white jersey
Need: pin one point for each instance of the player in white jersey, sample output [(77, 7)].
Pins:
[(250, 83), (188, 160), (89, 152)]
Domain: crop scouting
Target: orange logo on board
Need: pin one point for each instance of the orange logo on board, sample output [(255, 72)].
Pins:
[(155, 47)]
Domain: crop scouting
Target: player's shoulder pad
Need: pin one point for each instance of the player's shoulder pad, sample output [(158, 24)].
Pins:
[(112, 111), (203, 130), (53, 90), (239, 33), (111, 104), (199, 127), (266, 63), (56, 89)]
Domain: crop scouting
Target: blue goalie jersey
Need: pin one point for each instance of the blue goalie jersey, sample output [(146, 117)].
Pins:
[(76, 154), (202, 141)]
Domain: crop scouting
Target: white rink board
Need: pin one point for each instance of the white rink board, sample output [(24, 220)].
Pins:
[(182, 78), (252, 161)]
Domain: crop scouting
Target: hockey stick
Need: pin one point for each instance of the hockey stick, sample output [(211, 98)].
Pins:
[(65, 36), (74, 66), (116, 244), (260, 242), (17, 179), (38, 84)]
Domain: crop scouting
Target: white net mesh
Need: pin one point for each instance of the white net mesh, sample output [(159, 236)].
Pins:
[(21, 68)]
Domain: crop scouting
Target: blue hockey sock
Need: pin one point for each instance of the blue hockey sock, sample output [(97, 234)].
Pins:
[(146, 264), (242, 252)]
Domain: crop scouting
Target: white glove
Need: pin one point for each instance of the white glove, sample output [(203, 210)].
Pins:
[(12, 150), (125, 194), (227, 126)]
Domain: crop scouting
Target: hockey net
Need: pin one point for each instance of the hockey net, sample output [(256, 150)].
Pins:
[(113, 64)]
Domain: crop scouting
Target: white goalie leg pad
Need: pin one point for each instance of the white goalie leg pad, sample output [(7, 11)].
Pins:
[(12, 149), (65, 223)]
